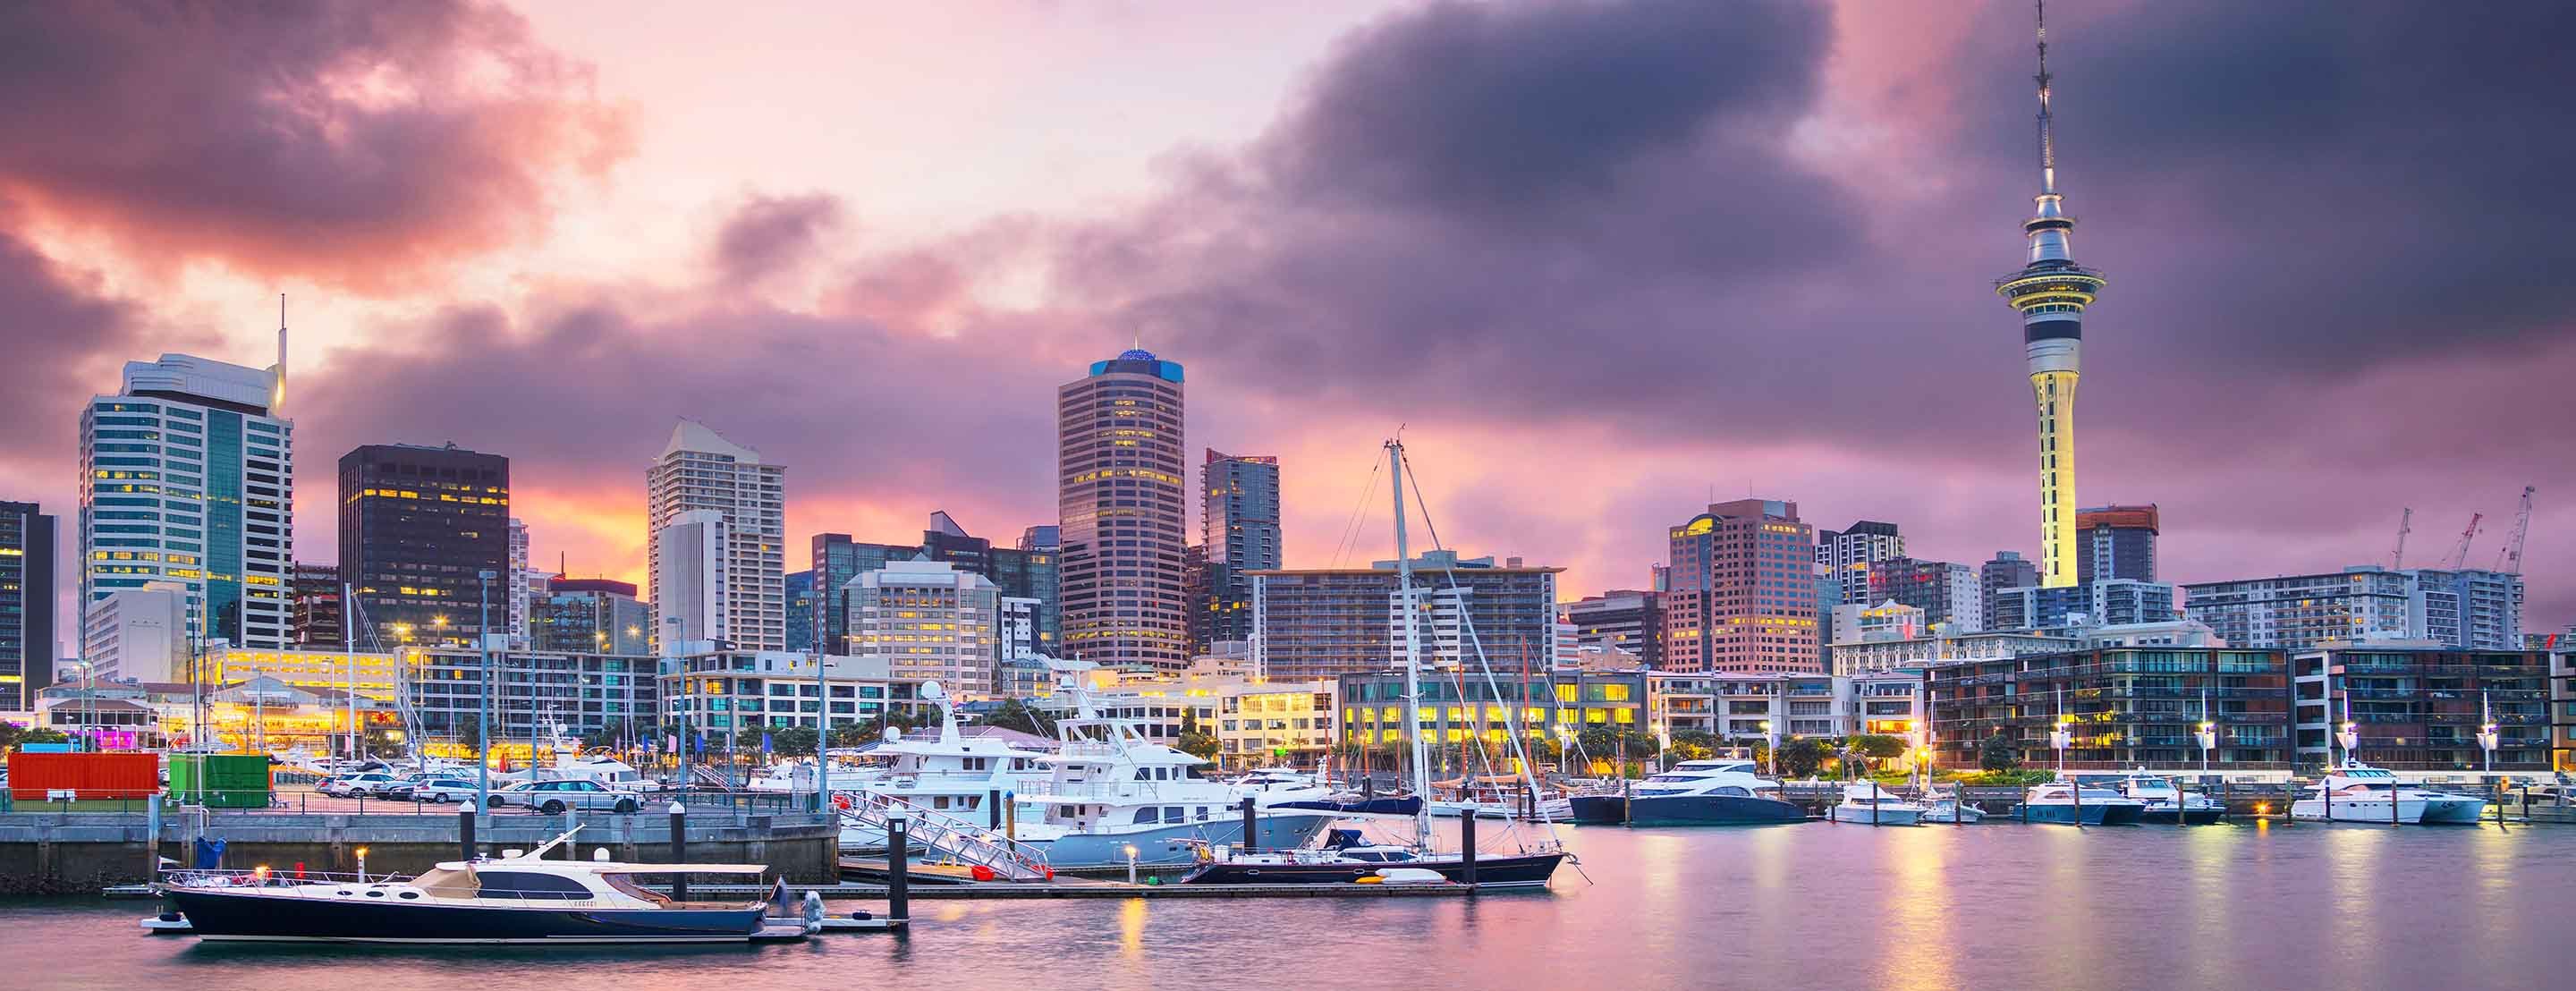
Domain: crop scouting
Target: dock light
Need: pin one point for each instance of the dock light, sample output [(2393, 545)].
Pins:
[(260, 872), (1131, 863), (362, 865)]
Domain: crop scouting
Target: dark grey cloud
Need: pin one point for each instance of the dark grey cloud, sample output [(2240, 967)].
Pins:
[(361, 143), (772, 233)]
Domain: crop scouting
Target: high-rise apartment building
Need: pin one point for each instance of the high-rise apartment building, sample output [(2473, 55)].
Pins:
[(1945, 592), (700, 472), (2051, 292), (1320, 622), (139, 633), (2008, 569), (931, 621), (837, 560), (319, 612), (800, 611), (418, 527), (1849, 554), (2474, 609), (1121, 503), (2117, 542), (1631, 620), (188, 478), (27, 563), (2470, 610), (1743, 591), (1239, 527), (690, 601), (2109, 602)]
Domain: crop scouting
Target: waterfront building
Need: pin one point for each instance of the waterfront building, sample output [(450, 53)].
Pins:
[(1939, 647), (1240, 533), (1742, 591), (734, 586), (2167, 633), (1016, 630), (1275, 723), (1321, 622), (418, 526), (2117, 542), (188, 478), (2126, 706), (139, 633), (1025, 572), (526, 583), (580, 691), (2420, 708), (1781, 706), (1947, 593), (27, 567), (598, 615), (2115, 601), (1851, 554), (2298, 612), (1829, 596), (1123, 512), (931, 622), (371, 674), (1630, 620), (2051, 293), (1462, 712), (725, 695), (2005, 571), (800, 611), (319, 615), (2562, 707)]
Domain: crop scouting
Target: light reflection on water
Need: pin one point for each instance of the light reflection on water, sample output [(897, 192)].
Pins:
[(2353, 908)]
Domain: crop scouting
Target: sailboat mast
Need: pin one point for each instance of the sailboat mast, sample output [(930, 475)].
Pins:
[(1412, 646)]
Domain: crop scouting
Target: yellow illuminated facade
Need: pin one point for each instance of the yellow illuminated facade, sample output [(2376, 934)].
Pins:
[(2056, 394)]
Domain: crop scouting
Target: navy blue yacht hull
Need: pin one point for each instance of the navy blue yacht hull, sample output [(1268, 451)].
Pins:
[(1522, 871)]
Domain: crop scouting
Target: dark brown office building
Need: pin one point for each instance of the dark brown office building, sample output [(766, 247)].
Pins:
[(416, 526)]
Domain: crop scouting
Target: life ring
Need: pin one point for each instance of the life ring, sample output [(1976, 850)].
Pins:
[(841, 801)]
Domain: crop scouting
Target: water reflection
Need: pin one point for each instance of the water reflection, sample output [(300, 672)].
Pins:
[(1918, 941)]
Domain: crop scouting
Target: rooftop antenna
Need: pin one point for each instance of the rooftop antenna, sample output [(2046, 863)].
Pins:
[(2047, 144), (277, 388)]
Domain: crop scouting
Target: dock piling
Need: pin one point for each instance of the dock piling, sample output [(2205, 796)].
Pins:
[(898, 899), (1251, 828), (465, 831), (1467, 849), (993, 808), (679, 850)]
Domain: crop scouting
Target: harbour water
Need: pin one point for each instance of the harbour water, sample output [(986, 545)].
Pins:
[(2353, 908)]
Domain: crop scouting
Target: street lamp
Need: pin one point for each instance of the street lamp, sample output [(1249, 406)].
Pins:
[(1771, 746), (2207, 737), (2061, 736), (2487, 735)]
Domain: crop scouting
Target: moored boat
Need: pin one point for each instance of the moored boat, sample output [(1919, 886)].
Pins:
[(1867, 804), (1710, 792), (2358, 792)]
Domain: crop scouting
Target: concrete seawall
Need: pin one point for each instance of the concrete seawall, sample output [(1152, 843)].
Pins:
[(81, 852)]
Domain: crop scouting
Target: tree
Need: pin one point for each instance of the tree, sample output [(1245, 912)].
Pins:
[(1998, 754), (792, 741), (1694, 745), (1803, 758), (1199, 745), (1012, 715)]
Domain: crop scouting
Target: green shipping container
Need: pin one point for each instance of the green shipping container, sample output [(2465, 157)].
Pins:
[(223, 781)]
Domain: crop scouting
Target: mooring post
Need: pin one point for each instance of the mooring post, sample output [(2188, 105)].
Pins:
[(679, 850), (465, 831), (898, 899), (993, 808), (1251, 827)]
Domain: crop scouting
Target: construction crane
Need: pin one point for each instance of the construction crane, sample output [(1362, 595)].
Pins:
[(2459, 556), (2405, 525), (2509, 557)]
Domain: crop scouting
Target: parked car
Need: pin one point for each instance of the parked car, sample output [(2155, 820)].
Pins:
[(553, 797), (397, 787), (441, 788), (352, 785)]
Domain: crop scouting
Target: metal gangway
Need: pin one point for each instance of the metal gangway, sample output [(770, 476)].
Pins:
[(940, 834)]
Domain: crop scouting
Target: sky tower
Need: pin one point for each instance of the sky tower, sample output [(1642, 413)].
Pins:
[(2051, 292)]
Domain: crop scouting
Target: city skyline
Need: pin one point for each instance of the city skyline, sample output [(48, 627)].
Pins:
[(781, 304)]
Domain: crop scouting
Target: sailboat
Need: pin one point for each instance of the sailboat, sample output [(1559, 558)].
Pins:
[(1345, 861)]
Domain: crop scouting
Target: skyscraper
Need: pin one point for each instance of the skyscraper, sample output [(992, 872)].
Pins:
[(1849, 553), (1125, 519), (2117, 542), (837, 560), (1743, 591), (1946, 593), (1239, 526), (2008, 569), (26, 604), (745, 568), (188, 477), (2051, 292), (418, 525), (800, 610)]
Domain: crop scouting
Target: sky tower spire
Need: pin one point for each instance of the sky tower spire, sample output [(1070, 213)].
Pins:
[(2051, 292)]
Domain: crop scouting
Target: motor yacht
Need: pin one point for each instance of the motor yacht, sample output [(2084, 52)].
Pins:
[(524, 898), (2068, 804), (1950, 808), (1712, 792), (1866, 804), (2358, 792), (2166, 803), (1112, 789), (1344, 859)]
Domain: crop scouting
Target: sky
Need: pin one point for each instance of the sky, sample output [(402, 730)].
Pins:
[(1602, 262)]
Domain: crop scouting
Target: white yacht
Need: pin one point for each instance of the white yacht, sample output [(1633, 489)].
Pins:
[(951, 776), (2166, 803), (1709, 792), (2358, 792), (1112, 789), (1866, 804)]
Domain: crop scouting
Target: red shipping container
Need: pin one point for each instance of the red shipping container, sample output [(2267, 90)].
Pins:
[(91, 776)]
